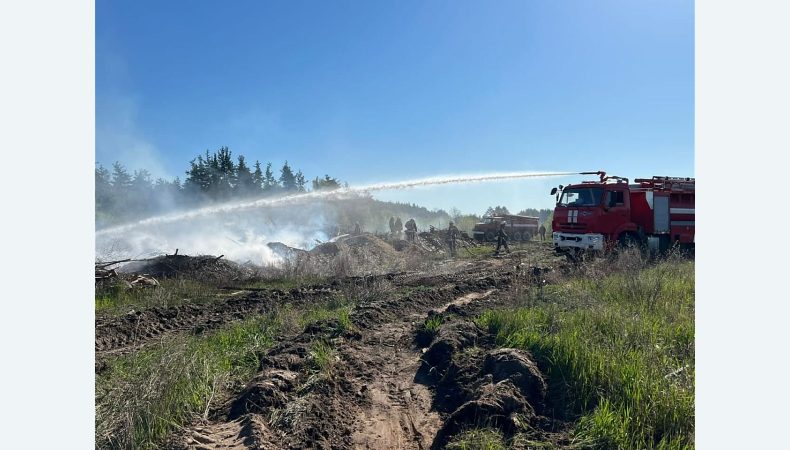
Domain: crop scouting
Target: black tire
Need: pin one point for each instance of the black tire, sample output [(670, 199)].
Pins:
[(490, 236), (515, 236)]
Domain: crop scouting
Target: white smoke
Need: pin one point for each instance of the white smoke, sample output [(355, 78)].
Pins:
[(241, 230), (240, 235)]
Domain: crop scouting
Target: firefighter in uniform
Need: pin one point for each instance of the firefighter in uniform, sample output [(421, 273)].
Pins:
[(452, 235), (392, 225), (398, 226), (411, 230), (501, 239), (542, 232), (357, 228)]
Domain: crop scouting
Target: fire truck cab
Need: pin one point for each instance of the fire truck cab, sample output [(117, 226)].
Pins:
[(597, 215)]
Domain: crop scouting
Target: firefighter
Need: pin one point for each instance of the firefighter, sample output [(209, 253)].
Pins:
[(542, 232), (411, 230), (398, 226), (501, 239), (452, 235), (357, 228), (392, 225)]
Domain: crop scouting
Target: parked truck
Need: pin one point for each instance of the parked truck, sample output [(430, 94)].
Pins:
[(653, 213), (518, 228)]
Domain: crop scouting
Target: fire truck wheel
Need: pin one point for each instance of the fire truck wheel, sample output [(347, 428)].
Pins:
[(490, 236), (515, 236)]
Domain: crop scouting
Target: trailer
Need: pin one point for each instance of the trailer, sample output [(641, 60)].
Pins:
[(655, 213)]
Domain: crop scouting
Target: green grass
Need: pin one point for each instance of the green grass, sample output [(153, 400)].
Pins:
[(336, 309), (478, 439), (322, 357), (142, 397), (618, 352), (475, 252), (170, 292), (433, 324)]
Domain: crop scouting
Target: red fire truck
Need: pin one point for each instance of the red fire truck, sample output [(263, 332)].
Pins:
[(656, 213)]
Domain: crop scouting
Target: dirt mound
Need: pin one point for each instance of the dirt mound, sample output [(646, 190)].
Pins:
[(350, 255), (327, 248), (400, 244), (517, 366), (247, 432), (204, 267), (450, 339), (501, 388), (284, 251), (268, 389), (497, 405)]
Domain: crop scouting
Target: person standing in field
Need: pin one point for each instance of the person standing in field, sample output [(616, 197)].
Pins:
[(392, 225), (501, 239), (452, 236), (542, 232), (398, 226), (411, 230)]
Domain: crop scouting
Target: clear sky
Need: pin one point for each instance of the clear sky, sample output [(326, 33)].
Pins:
[(371, 91)]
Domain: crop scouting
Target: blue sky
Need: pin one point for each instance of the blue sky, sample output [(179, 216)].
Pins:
[(382, 91)]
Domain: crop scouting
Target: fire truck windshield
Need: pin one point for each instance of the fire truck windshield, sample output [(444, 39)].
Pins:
[(581, 197)]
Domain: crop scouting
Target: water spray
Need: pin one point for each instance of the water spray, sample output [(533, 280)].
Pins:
[(326, 194)]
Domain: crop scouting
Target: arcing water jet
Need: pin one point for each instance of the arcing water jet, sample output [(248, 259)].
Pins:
[(336, 193)]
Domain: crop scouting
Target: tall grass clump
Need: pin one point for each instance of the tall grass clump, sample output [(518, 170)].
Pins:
[(142, 397), (338, 308), (171, 292), (618, 352), (478, 439)]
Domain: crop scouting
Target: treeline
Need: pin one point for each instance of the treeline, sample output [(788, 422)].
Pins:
[(212, 177)]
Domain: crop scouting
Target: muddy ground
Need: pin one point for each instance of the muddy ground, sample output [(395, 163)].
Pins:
[(391, 383)]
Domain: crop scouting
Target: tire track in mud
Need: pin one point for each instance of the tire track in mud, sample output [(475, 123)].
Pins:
[(377, 397), (118, 335), (127, 333)]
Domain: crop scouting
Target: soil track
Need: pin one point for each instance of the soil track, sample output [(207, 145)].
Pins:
[(378, 394), (122, 334), (119, 335)]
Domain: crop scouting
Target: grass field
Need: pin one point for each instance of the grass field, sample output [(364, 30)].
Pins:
[(618, 351), (143, 396)]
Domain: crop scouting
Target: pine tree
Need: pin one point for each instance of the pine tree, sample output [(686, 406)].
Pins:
[(244, 181), (121, 180), (198, 179), (269, 182), (104, 198), (257, 177), (141, 193), (326, 183), (287, 178), (300, 181)]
